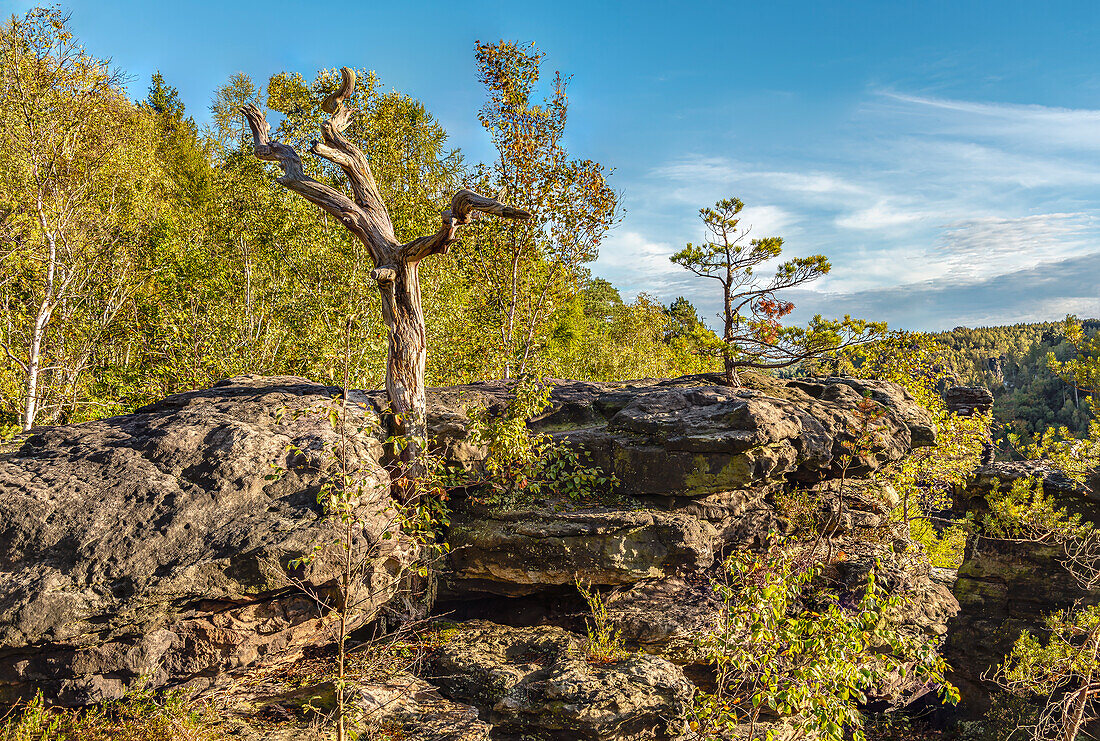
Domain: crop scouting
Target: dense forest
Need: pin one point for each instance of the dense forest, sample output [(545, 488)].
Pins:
[(1012, 361), (144, 254)]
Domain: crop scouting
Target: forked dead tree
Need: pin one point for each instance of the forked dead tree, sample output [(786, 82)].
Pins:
[(395, 264)]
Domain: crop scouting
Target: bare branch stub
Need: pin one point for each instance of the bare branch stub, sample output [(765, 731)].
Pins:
[(395, 264), (332, 103), (337, 149)]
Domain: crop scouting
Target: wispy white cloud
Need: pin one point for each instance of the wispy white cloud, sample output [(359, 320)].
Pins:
[(766, 220), (697, 173), (693, 168), (973, 250), (637, 264), (883, 214), (917, 192), (811, 184), (1037, 125)]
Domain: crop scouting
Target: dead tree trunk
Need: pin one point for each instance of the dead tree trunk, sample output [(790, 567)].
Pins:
[(395, 264)]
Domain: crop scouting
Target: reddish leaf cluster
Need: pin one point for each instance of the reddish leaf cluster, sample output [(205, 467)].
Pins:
[(772, 308), (768, 312)]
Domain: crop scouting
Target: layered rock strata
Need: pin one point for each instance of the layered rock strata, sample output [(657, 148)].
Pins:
[(164, 545)]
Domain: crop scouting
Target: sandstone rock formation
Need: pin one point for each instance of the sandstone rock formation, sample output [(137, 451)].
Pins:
[(689, 437), (158, 544), (530, 550), (968, 400), (667, 616), (702, 459), (271, 705), (155, 544)]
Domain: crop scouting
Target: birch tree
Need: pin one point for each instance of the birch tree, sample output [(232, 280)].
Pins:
[(77, 181)]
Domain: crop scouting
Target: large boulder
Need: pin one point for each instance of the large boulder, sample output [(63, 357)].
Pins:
[(1004, 587), (537, 683), (158, 545), (669, 615), (417, 711), (691, 437), (1001, 475)]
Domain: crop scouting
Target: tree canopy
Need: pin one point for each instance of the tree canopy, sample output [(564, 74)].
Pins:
[(141, 254)]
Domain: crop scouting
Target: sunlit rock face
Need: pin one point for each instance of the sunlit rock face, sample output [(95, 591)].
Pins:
[(159, 543)]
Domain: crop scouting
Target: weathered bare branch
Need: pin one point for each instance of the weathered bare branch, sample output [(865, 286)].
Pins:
[(337, 149), (332, 103), (465, 206), (466, 202), (266, 149), (384, 274), (294, 178)]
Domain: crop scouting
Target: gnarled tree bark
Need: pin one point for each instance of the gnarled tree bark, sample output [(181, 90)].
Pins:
[(395, 264)]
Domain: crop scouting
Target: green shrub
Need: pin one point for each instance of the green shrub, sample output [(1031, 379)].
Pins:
[(604, 643), (943, 549), (783, 649), (522, 467), (1026, 512), (141, 716)]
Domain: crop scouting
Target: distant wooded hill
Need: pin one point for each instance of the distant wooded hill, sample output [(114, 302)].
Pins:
[(1012, 362)]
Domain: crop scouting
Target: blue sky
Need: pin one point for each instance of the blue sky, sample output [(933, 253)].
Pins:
[(944, 155)]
